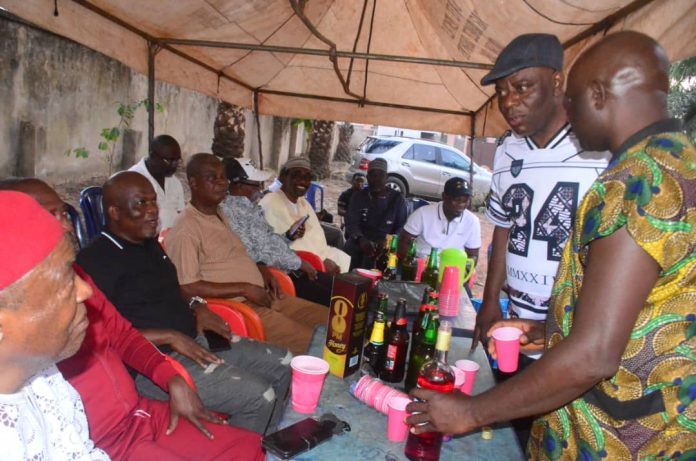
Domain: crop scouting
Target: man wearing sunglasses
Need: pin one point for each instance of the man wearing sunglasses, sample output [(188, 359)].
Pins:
[(159, 168)]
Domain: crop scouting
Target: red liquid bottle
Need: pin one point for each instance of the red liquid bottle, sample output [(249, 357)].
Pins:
[(435, 375)]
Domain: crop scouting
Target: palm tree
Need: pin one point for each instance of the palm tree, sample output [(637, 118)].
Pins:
[(228, 139), (320, 148), (345, 132)]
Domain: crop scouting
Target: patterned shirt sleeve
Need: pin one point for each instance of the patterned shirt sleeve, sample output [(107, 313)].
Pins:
[(494, 204)]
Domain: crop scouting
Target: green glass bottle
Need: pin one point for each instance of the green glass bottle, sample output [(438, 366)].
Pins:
[(422, 349), (429, 303), (390, 272), (431, 273), (409, 265)]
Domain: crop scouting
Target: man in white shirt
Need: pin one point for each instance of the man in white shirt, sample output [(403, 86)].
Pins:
[(159, 168), (42, 415), (447, 224)]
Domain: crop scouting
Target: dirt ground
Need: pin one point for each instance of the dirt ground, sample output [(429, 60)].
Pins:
[(70, 192)]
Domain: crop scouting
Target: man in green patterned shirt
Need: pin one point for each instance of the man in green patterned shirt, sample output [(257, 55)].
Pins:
[(619, 374)]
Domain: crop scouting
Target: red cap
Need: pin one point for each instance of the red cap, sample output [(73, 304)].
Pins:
[(28, 234)]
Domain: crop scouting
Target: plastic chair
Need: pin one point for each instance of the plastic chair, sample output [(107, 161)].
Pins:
[(313, 259), (311, 195), (252, 320), (284, 281), (233, 318), (93, 210), (77, 224)]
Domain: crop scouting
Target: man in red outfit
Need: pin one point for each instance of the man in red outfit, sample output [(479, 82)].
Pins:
[(122, 423)]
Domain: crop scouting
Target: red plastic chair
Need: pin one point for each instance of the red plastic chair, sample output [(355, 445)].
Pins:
[(285, 282), (252, 320), (314, 260), (233, 317), (181, 370)]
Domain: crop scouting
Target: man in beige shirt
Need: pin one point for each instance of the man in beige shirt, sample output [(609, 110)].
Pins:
[(212, 261)]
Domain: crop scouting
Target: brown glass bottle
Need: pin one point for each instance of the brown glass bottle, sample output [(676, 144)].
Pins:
[(397, 346), (383, 258)]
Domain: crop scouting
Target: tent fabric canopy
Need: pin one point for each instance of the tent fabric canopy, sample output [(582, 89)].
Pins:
[(307, 58)]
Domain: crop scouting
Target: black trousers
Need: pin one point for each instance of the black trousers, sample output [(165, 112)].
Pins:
[(522, 426), (318, 291)]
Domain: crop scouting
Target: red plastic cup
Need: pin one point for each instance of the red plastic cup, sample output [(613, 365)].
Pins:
[(448, 302), (469, 367), (397, 429), (372, 274), (507, 347), (459, 377), (420, 267), (308, 374)]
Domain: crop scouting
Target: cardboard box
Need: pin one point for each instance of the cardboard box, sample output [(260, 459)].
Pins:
[(347, 324)]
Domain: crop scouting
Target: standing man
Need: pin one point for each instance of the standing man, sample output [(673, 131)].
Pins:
[(42, 415), (540, 174), (248, 381), (288, 205), (357, 183), (448, 224), (246, 218), (211, 261), (159, 168), (618, 378), (372, 214)]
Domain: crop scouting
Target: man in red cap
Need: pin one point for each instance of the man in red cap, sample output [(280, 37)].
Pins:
[(122, 423), (34, 334)]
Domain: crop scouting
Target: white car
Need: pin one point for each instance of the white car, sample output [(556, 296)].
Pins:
[(420, 167)]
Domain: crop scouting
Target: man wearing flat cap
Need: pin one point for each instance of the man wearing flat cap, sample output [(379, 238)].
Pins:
[(42, 415), (540, 175), (373, 214), (447, 224), (288, 206)]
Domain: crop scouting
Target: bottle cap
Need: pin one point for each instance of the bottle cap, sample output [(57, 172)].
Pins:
[(486, 433)]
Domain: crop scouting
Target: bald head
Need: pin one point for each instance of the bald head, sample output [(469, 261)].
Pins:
[(616, 88), (130, 204)]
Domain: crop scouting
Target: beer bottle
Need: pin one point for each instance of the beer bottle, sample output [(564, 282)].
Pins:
[(383, 258), (422, 349), (428, 303), (409, 265), (431, 272), (390, 272), (373, 354), (435, 375), (397, 346)]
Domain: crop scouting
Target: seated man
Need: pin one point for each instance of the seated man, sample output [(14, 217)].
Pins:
[(35, 334), (373, 213), (447, 224), (288, 205), (122, 423), (245, 217), (249, 382), (211, 261), (357, 183), (159, 167)]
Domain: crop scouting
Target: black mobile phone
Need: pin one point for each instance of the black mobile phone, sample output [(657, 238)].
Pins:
[(216, 342), (297, 438), (293, 230)]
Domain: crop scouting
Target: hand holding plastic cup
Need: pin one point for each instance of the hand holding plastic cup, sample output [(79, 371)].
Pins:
[(507, 348), (308, 374), (469, 368), (397, 429)]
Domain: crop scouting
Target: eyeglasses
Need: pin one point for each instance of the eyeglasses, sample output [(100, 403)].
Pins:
[(170, 161)]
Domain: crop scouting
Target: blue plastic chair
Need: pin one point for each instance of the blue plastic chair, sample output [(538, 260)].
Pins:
[(79, 227), (93, 211), (311, 196)]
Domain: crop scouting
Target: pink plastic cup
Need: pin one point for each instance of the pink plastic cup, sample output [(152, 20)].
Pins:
[(507, 347), (459, 377), (372, 274), (420, 267), (308, 374), (380, 397), (397, 429), (393, 394), (448, 302), (469, 367)]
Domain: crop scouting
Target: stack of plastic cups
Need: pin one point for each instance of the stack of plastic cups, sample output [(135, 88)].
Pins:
[(448, 303), (374, 393)]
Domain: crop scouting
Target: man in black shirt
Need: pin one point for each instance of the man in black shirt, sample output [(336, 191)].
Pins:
[(357, 183), (249, 381), (372, 214)]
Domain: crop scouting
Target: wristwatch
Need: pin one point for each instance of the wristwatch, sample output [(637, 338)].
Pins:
[(196, 299)]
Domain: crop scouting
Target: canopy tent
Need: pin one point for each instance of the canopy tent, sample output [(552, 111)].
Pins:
[(406, 63)]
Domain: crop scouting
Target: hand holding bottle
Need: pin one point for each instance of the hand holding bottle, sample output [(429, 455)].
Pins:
[(446, 413)]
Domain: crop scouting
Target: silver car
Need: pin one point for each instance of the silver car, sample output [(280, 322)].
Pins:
[(420, 167)]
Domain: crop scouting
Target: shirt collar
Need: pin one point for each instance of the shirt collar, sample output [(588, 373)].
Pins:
[(440, 206), (121, 243), (668, 125)]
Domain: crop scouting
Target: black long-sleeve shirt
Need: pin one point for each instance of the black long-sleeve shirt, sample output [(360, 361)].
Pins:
[(375, 218)]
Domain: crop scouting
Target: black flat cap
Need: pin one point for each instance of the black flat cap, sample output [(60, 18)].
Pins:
[(457, 187), (529, 50)]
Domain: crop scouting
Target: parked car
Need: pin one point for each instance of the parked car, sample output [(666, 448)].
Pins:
[(420, 167)]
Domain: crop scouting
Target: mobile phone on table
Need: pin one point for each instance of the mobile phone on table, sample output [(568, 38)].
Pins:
[(293, 230), (297, 438), (216, 342)]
